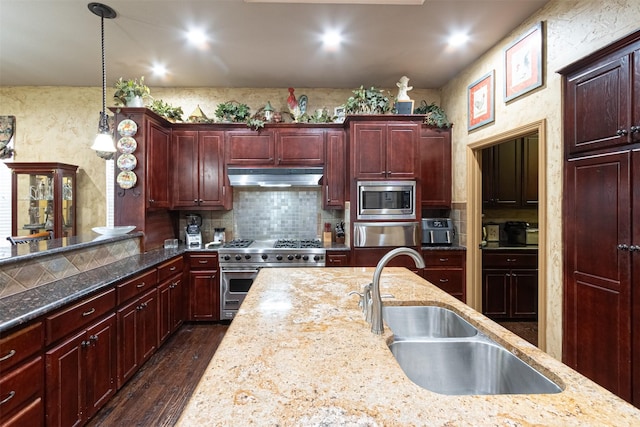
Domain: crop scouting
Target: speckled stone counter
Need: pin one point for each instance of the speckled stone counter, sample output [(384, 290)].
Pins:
[(299, 353)]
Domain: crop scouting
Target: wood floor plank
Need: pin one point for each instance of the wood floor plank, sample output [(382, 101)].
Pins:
[(157, 394)]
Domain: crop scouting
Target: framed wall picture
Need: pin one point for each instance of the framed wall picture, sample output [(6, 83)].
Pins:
[(523, 64), (404, 107), (481, 101)]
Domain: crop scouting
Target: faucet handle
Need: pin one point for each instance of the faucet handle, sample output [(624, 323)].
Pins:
[(368, 302), (360, 301)]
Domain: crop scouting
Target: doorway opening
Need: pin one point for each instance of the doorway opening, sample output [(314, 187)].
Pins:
[(476, 237)]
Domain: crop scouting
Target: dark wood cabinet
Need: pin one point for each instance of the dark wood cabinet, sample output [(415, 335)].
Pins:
[(335, 171), (250, 148), (601, 217), (81, 374), (198, 170), (300, 147), (446, 270), (146, 204), (435, 167), (338, 259), (170, 298), (510, 284), (204, 287), (510, 174), (384, 150)]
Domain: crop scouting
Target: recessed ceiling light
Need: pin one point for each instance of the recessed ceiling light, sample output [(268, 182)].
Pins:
[(159, 70), (458, 39), (331, 40), (197, 37)]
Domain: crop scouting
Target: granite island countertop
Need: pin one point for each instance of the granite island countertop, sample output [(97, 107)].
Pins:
[(299, 353)]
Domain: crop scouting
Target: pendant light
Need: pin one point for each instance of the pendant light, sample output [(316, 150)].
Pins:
[(104, 139)]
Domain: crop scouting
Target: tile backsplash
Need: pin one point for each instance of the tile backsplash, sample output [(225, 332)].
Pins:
[(291, 213)]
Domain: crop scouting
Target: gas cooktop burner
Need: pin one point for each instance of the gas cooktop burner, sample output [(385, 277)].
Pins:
[(238, 243), (305, 243)]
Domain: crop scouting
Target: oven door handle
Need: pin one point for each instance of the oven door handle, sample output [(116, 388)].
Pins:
[(248, 270)]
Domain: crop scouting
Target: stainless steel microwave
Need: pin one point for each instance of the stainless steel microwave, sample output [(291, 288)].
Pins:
[(386, 200)]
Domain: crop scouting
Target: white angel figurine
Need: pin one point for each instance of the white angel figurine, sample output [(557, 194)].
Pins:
[(403, 88)]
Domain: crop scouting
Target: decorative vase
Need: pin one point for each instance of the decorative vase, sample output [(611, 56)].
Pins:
[(135, 101)]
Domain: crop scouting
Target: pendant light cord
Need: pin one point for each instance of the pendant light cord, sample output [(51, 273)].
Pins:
[(104, 73)]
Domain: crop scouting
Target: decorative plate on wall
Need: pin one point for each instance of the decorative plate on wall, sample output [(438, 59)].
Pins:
[(127, 162), (127, 145), (126, 179), (127, 127)]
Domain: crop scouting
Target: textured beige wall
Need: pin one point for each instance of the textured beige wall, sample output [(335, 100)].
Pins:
[(573, 30), (58, 124)]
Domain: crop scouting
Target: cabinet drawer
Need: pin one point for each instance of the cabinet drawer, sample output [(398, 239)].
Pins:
[(20, 386), (509, 260), (449, 280), (444, 258), (203, 261), (79, 315), (170, 268), (31, 415), (21, 344), (133, 287)]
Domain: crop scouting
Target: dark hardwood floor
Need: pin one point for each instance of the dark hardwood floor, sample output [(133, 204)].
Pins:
[(526, 330), (157, 394)]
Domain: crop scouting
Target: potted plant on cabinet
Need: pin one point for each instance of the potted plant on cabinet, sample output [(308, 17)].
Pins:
[(232, 112), (434, 115), (367, 101), (131, 93), (173, 114)]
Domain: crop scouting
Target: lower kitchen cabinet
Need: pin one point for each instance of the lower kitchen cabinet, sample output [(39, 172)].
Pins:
[(369, 257), (510, 285), (337, 259), (22, 394), (137, 334), (171, 303), (204, 287), (446, 270), (81, 374)]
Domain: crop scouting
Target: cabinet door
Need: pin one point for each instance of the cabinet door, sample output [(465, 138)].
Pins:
[(249, 148), (300, 147), (435, 167), (148, 328), (185, 168), (523, 294), (101, 364), (590, 124), (170, 307), (65, 385), (507, 170), (204, 295), (495, 297), (401, 151), (128, 358), (597, 288), (177, 303), (369, 151), (335, 171), (529, 172), (211, 169), (158, 171)]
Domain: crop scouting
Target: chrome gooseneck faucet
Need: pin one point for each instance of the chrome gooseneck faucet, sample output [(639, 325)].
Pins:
[(374, 309)]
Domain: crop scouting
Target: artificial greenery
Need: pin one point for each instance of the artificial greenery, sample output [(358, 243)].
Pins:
[(166, 110), (232, 111), (322, 117), (434, 115), (367, 101), (127, 89), (255, 123)]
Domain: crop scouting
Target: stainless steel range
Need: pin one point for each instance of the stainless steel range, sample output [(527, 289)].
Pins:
[(241, 260)]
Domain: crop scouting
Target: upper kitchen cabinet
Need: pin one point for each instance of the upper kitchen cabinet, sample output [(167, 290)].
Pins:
[(43, 197), (275, 146), (602, 98), (510, 174), (435, 167), (198, 170), (142, 196), (335, 174), (383, 148)]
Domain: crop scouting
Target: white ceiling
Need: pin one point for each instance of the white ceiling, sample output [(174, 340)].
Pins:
[(57, 42)]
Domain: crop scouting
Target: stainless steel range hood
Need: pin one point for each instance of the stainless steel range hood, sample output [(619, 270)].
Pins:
[(275, 177)]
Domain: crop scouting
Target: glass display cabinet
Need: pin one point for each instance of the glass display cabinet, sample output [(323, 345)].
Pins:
[(43, 198)]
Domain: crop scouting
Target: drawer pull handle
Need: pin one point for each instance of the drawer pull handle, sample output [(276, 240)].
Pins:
[(203, 261), (444, 259), (511, 259), (140, 285), (8, 356), (172, 268), (444, 280), (8, 398), (88, 313)]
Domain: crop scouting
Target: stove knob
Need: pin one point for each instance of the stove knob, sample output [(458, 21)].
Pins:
[(305, 257), (316, 258), (290, 257), (247, 256), (227, 257), (238, 257), (264, 256), (279, 257), (298, 256)]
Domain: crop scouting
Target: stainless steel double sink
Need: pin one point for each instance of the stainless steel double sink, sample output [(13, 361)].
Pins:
[(440, 351)]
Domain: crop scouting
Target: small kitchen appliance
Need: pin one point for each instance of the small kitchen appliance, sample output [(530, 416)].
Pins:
[(516, 232), (437, 231), (219, 235), (193, 235)]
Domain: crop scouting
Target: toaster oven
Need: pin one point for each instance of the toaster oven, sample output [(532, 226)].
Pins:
[(437, 231)]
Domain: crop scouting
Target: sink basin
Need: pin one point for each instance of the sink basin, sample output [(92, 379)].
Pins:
[(426, 321), (463, 367)]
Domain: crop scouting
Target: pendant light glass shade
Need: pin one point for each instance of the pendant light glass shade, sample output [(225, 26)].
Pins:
[(104, 138)]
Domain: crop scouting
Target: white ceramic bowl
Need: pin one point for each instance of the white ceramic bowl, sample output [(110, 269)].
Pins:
[(114, 231)]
